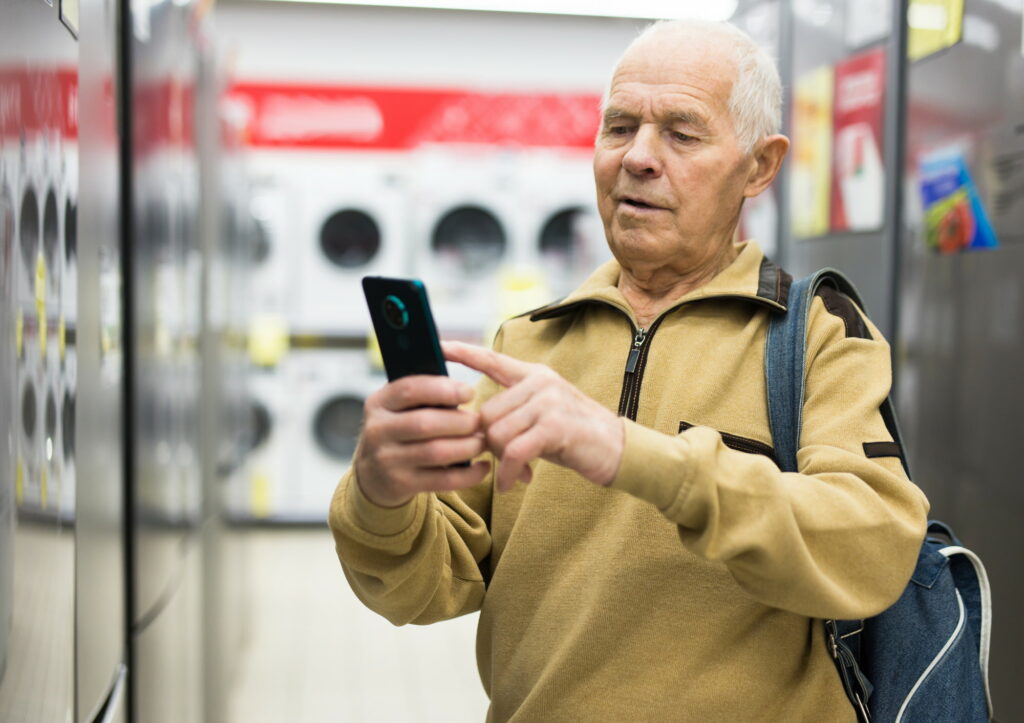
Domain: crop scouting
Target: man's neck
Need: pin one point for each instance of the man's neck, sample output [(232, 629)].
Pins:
[(649, 292)]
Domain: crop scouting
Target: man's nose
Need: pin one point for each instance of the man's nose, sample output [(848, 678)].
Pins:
[(644, 155)]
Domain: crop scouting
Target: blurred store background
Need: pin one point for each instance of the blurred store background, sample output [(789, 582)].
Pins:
[(191, 191)]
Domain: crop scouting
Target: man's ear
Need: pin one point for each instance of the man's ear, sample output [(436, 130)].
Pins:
[(768, 156)]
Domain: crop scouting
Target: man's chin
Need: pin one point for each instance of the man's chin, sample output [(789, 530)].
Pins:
[(640, 245)]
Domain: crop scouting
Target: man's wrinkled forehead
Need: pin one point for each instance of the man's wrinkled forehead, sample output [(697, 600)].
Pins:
[(679, 56)]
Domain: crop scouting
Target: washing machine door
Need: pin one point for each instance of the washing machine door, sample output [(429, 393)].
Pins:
[(29, 414), (70, 230), (469, 239), (350, 238), (51, 241), (558, 238), (336, 425), (566, 248), (260, 425), (28, 232)]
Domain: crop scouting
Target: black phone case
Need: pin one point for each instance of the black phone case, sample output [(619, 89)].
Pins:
[(404, 326)]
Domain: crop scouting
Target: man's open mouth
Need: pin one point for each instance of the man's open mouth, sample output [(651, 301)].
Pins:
[(636, 203)]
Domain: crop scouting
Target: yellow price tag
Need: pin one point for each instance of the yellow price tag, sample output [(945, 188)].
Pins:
[(41, 300), (19, 332), (259, 494), (40, 279), (268, 339), (62, 336), (44, 492), (19, 482), (933, 25)]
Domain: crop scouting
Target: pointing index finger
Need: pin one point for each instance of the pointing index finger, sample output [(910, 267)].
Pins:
[(503, 369)]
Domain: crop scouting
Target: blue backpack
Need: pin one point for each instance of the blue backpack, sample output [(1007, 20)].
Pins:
[(926, 657)]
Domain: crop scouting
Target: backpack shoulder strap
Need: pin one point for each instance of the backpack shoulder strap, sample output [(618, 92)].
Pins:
[(784, 364), (785, 373)]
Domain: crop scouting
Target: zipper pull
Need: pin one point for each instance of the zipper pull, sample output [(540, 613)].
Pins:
[(634, 353)]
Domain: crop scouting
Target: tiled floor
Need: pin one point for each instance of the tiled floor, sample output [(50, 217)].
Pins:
[(315, 654), (40, 685)]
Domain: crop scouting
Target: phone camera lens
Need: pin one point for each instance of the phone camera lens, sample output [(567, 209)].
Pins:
[(395, 312)]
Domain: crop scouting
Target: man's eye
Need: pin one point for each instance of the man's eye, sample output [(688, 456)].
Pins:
[(683, 137), (618, 130)]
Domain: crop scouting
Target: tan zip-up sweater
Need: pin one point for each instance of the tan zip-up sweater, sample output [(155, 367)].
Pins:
[(688, 589)]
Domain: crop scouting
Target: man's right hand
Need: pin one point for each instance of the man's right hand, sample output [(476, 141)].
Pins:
[(412, 434)]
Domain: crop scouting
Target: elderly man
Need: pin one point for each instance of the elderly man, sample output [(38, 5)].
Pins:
[(633, 549)]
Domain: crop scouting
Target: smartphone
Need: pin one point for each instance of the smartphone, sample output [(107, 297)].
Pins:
[(404, 326)]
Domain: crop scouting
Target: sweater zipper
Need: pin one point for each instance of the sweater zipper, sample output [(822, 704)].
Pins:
[(636, 363)]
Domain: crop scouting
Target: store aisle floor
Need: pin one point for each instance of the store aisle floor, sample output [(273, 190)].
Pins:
[(314, 654)]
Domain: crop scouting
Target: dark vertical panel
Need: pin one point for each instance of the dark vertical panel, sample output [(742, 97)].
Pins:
[(962, 316), (101, 617)]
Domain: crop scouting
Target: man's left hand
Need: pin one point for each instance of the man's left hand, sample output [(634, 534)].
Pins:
[(540, 415)]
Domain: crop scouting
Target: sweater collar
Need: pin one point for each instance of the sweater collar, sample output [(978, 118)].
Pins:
[(751, 276)]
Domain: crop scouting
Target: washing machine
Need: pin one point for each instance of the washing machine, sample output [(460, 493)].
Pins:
[(68, 256), (67, 332), (7, 406), (50, 273), (28, 284), (466, 232), (270, 467), (65, 502), (270, 253), (565, 237), (350, 223), (29, 296), (51, 478), (31, 487), (329, 388)]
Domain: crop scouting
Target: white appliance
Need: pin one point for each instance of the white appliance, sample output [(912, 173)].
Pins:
[(351, 223), (28, 225), (272, 253), (69, 243), (328, 390), (466, 232), (564, 234), (52, 258), (52, 476), (66, 422), (8, 407), (271, 462), (30, 486)]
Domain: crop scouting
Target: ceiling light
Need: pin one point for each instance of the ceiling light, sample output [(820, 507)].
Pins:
[(647, 9)]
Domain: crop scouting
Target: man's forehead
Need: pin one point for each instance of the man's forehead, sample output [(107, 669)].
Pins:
[(678, 63), (666, 102)]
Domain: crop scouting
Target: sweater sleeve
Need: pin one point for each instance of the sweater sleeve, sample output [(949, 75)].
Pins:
[(418, 563), (840, 538)]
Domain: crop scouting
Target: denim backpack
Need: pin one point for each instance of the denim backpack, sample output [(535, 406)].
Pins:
[(926, 657)]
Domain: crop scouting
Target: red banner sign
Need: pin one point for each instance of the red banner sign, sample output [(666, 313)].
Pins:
[(354, 117), (858, 183), (37, 99)]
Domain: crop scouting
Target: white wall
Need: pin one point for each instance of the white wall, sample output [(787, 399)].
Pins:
[(436, 48)]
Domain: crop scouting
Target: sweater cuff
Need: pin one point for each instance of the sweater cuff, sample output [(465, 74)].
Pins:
[(654, 466), (377, 520)]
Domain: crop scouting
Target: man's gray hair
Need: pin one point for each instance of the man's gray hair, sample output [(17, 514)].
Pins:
[(755, 101)]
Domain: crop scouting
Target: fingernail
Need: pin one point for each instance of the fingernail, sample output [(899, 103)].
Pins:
[(466, 392)]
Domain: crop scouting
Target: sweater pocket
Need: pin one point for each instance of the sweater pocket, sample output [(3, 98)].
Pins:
[(740, 444)]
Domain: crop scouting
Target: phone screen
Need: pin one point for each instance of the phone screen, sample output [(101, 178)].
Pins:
[(404, 326)]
